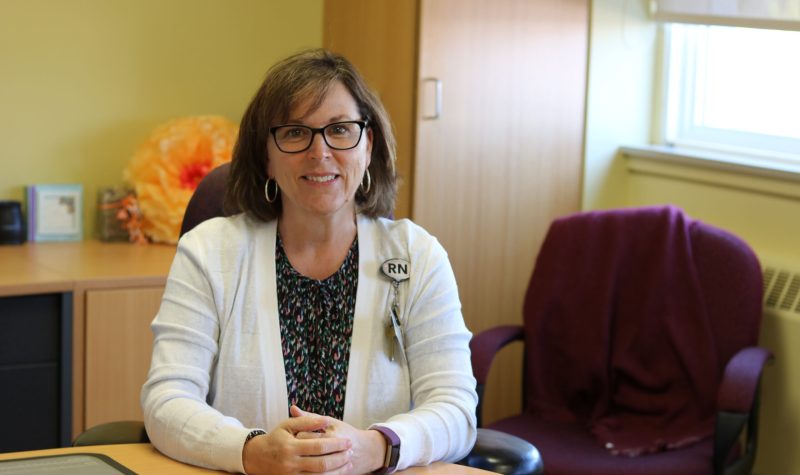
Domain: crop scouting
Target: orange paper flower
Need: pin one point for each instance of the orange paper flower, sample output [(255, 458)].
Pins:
[(169, 165)]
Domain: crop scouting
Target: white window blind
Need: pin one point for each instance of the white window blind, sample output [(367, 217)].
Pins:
[(771, 14)]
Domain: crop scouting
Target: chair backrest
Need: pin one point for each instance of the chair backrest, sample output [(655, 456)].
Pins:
[(207, 200), (630, 318)]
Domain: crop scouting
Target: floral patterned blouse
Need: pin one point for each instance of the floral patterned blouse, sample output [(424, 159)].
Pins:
[(316, 321)]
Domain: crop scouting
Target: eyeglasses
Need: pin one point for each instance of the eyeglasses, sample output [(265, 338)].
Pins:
[(338, 135)]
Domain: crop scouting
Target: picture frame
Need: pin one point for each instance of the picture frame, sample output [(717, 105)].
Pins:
[(55, 212)]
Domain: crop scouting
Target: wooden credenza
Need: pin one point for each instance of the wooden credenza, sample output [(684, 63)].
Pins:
[(108, 294)]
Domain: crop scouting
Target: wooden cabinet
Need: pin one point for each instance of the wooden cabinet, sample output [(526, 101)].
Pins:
[(115, 290), (379, 37), (496, 135), (118, 348)]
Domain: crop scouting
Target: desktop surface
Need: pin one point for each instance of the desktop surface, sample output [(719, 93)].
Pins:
[(144, 459)]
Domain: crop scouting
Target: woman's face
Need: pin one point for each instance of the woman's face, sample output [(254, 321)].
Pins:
[(321, 181)]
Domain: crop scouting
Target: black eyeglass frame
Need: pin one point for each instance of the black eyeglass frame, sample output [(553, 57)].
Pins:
[(320, 130)]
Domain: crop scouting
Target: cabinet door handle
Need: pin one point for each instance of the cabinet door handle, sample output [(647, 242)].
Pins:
[(437, 97)]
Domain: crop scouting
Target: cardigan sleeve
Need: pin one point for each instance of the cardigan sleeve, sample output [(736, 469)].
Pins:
[(441, 424), (179, 421)]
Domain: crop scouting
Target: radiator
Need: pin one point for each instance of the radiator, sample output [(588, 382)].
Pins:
[(779, 437)]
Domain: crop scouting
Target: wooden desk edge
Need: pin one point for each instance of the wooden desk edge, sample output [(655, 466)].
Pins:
[(144, 459), (38, 288)]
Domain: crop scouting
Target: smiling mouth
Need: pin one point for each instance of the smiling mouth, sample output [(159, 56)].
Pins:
[(321, 179)]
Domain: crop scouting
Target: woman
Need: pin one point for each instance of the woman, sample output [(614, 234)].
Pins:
[(308, 333)]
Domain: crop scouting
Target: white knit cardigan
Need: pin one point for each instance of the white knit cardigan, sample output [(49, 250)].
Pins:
[(217, 369)]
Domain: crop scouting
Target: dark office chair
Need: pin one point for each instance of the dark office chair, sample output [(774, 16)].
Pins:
[(495, 451), (639, 333), (117, 432), (207, 200)]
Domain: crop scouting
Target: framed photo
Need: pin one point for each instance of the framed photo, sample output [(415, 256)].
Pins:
[(55, 212)]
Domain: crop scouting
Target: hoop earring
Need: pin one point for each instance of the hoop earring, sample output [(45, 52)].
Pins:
[(365, 189), (266, 191)]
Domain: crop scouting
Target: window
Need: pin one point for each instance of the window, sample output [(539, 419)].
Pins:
[(735, 90)]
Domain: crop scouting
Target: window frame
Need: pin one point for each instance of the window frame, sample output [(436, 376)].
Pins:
[(677, 127)]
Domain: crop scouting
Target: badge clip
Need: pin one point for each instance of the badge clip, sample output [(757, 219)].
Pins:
[(398, 271)]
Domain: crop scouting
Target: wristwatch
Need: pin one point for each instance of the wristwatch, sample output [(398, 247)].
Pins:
[(392, 450)]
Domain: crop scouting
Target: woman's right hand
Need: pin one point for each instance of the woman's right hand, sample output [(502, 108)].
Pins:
[(280, 452)]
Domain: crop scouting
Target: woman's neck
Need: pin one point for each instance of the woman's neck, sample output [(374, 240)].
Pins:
[(318, 246)]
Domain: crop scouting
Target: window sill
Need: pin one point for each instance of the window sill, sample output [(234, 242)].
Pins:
[(716, 169)]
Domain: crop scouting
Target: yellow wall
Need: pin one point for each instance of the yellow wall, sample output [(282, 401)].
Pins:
[(85, 81), (618, 101), (622, 79)]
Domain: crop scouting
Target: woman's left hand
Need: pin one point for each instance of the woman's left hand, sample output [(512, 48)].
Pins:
[(369, 446)]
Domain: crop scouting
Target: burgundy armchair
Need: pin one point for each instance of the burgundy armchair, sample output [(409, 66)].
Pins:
[(640, 328)]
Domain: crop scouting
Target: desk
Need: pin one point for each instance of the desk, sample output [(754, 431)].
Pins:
[(146, 460), (36, 268), (111, 293)]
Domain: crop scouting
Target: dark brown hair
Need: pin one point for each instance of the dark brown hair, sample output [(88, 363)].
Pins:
[(307, 75)]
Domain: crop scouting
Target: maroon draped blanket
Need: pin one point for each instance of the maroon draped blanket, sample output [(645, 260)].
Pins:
[(620, 331)]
